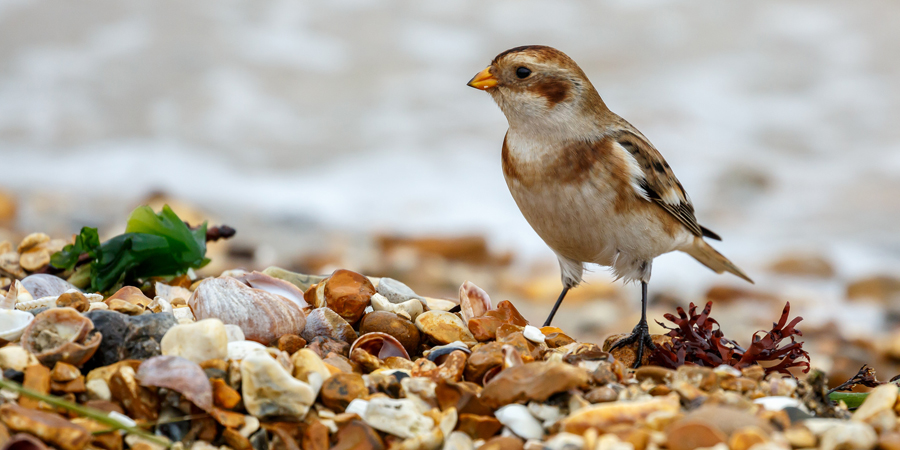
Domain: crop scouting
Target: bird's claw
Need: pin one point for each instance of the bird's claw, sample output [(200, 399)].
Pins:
[(641, 335)]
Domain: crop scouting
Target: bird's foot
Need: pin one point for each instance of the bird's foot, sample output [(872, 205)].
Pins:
[(640, 335)]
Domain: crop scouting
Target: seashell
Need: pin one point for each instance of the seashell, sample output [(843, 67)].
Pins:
[(400, 328), (442, 350), (180, 375), (44, 302), (302, 281), (13, 323), (31, 241), (325, 322), (170, 293), (261, 281), (395, 291), (33, 260), (160, 304), (348, 293), (131, 295), (473, 301), (409, 309), (444, 327), (12, 296), (61, 334), (262, 316), (380, 344), (44, 285)]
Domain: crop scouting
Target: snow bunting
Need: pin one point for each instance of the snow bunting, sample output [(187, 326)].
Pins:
[(589, 183)]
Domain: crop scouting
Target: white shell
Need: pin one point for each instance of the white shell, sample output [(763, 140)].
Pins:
[(13, 323), (29, 305)]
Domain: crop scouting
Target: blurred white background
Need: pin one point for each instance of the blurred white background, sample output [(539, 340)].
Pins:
[(779, 117)]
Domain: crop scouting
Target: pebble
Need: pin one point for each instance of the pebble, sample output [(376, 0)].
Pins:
[(849, 436), (444, 327), (535, 381), (269, 390), (533, 334), (198, 342), (517, 418), (15, 357), (340, 389), (395, 291), (409, 309), (399, 417), (309, 367), (49, 427)]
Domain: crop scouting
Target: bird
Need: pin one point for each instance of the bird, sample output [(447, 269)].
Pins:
[(589, 183)]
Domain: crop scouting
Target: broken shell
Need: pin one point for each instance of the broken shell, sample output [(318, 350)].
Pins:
[(395, 291), (170, 293), (44, 285), (262, 316), (382, 345), (399, 327), (180, 375), (13, 323), (348, 293), (410, 308), (131, 295), (61, 334), (43, 302), (325, 322), (15, 294), (302, 281), (473, 301), (270, 284), (444, 327)]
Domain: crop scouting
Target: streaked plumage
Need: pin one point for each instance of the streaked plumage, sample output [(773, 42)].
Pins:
[(589, 183)]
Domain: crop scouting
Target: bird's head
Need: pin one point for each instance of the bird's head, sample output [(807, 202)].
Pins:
[(541, 89)]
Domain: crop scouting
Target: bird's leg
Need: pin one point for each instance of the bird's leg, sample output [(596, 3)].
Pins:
[(641, 332), (559, 301)]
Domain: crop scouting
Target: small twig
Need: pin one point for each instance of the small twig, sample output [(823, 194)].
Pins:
[(91, 413), (865, 376)]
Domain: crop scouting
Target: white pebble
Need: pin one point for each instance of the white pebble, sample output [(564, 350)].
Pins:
[(533, 334)]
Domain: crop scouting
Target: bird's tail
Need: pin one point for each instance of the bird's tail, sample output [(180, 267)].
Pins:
[(703, 252)]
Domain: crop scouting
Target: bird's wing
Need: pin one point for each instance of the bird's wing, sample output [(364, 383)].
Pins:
[(657, 183)]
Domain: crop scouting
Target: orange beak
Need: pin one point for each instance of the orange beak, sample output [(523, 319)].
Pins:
[(484, 80)]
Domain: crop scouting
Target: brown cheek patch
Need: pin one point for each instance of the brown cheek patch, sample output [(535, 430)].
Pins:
[(553, 90)]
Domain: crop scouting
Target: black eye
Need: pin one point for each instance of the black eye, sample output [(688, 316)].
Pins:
[(523, 72)]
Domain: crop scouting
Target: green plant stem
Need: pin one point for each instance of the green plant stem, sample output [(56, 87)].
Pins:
[(852, 399), (95, 414)]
